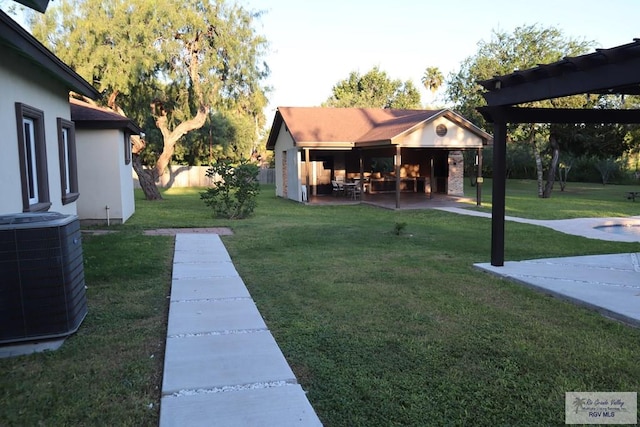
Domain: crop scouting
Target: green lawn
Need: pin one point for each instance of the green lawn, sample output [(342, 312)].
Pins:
[(380, 329), (579, 200)]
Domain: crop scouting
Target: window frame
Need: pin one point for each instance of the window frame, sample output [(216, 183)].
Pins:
[(68, 161), (39, 174), (127, 148)]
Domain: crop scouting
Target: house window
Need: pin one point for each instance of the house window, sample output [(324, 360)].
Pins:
[(68, 162), (127, 148), (32, 155)]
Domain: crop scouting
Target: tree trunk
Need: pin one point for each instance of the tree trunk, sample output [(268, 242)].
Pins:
[(563, 173), (146, 179), (551, 173), (531, 139)]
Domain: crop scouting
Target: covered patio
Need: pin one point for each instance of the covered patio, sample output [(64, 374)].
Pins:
[(408, 201), (366, 154)]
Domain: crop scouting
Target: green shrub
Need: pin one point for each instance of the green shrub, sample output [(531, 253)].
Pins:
[(234, 191), (399, 227)]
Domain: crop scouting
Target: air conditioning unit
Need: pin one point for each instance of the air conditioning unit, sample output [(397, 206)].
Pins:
[(42, 288)]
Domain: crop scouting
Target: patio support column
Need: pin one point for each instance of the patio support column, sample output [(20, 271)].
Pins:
[(361, 182), (398, 158), (498, 197), (307, 172)]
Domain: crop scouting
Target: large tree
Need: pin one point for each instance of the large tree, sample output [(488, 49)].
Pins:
[(171, 63), (375, 89), (504, 53)]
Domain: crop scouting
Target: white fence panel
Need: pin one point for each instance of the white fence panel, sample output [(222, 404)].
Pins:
[(195, 176)]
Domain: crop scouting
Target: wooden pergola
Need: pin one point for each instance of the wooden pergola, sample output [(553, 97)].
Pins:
[(605, 71)]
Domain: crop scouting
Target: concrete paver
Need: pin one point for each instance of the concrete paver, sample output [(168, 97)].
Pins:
[(222, 365), (211, 361), (208, 288), (203, 270), (202, 316), (284, 406)]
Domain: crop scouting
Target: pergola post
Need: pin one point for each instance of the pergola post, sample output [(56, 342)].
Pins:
[(398, 158), (498, 197), (479, 179)]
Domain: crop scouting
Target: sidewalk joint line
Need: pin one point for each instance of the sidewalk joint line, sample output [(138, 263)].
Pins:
[(213, 299), (218, 333), (228, 388)]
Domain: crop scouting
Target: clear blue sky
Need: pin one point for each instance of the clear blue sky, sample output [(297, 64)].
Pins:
[(316, 43)]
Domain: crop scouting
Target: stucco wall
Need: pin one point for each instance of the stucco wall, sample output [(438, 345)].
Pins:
[(103, 178), (20, 83), (456, 136), (284, 143)]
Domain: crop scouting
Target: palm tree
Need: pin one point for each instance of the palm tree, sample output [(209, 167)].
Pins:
[(432, 80)]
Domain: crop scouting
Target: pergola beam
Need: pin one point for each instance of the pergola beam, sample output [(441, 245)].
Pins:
[(495, 114), (601, 79)]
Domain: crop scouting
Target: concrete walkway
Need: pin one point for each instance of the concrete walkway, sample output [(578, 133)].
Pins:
[(222, 365), (585, 227), (609, 284)]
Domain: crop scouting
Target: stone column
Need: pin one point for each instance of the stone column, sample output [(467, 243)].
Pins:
[(455, 184)]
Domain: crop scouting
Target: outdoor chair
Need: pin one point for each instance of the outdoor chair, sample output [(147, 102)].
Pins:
[(337, 187), (355, 192)]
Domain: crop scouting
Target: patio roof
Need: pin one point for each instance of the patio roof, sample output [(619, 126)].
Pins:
[(349, 127)]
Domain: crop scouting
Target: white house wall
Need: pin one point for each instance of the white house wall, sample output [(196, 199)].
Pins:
[(294, 174), (103, 178), (284, 143), (456, 137), (19, 83)]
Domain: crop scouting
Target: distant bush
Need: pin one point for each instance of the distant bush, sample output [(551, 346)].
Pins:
[(233, 194)]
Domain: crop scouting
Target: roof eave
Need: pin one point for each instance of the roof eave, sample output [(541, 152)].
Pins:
[(15, 37), (275, 131), (125, 125)]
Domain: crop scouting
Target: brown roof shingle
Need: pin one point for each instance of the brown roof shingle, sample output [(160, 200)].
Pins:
[(316, 124), (87, 116), (345, 127)]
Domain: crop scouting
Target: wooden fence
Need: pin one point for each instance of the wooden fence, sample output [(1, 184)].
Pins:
[(195, 176)]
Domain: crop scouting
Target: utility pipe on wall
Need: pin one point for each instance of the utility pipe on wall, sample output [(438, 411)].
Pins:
[(108, 218)]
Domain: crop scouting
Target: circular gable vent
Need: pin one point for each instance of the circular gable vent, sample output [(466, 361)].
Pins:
[(441, 130)]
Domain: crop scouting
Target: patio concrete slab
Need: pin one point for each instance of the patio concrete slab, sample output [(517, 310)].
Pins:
[(591, 228), (283, 406), (197, 317), (609, 284), (208, 288), (211, 361)]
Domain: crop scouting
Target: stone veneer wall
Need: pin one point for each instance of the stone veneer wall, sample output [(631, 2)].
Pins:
[(455, 185)]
